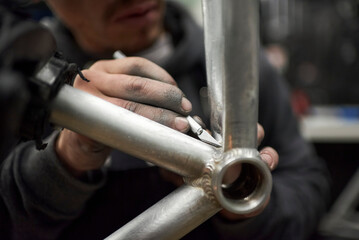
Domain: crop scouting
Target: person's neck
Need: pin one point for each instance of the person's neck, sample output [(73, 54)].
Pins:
[(93, 49), (159, 51)]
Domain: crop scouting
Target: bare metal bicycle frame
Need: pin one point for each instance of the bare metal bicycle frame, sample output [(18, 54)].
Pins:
[(232, 42)]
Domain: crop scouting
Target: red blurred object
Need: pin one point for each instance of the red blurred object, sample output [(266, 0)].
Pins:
[(300, 102)]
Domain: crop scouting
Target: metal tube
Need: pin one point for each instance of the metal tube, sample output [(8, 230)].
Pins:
[(232, 46), (130, 133), (213, 41), (241, 44), (171, 218)]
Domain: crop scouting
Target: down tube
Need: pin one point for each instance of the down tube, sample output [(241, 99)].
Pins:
[(171, 218), (124, 130)]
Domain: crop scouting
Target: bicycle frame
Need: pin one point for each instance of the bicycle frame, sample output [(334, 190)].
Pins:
[(231, 40)]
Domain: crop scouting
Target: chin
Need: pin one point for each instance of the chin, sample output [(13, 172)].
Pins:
[(138, 41)]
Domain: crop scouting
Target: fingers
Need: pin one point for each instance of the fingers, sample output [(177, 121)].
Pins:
[(260, 134), (270, 157), (139, 89), (135, 66), (158, 101), (160, 115), (268, 154)]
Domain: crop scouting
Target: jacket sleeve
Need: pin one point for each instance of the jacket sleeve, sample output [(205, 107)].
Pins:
[(40, 197), (301, 183)]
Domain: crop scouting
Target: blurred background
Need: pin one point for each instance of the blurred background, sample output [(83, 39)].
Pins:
[(314, 44)]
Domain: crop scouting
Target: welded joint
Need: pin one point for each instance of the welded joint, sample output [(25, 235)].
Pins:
[(245, 194), (204, 182)]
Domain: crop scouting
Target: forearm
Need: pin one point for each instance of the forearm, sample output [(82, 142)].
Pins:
[(42, 198), (79, 154)]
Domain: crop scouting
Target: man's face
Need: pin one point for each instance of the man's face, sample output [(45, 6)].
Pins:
[(103, 26)]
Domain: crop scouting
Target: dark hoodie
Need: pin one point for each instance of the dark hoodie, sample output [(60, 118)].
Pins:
[(40, 200)]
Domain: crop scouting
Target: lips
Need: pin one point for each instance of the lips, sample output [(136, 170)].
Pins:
[(137, 14)]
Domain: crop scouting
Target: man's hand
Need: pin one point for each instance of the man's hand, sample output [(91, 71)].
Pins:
[(135, 84)]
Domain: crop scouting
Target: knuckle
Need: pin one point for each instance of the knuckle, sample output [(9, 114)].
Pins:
[(139, 64), (136, 85), (131, 106), (165, 117), (162, 117)]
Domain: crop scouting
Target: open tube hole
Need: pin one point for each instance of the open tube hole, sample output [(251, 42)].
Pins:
[(244, 185)]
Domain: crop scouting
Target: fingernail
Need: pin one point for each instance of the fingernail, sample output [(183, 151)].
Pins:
[(186, 105), (268, 159), (181, 124)]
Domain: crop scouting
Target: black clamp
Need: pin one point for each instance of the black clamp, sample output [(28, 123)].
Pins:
[(44, 87)]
